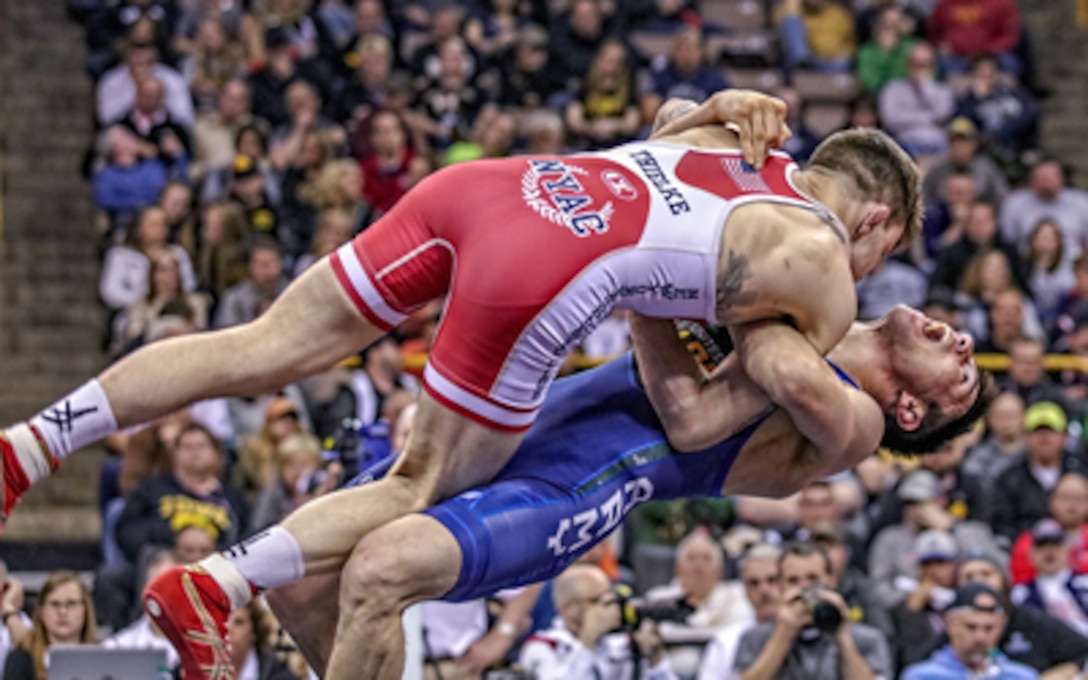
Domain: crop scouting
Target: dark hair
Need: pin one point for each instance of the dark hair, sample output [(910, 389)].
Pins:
[(1059, 256), (880, 170), (189, 428), (805, 549), (263, 242), (935, 429), (255, 128)]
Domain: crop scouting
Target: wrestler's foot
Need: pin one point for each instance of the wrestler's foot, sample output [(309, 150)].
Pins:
[(15, 481), (192, 611)]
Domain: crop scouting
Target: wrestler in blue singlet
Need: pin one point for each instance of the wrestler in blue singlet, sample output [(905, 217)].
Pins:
[(596, 451)]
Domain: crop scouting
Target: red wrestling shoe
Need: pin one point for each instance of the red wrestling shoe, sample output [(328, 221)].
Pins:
[(192, 611), (15, 480)]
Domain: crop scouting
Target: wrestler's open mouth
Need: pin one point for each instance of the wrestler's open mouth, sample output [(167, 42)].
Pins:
[(937, 331)]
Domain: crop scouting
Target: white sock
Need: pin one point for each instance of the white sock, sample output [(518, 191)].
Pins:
[(266, 560), (81, 418)]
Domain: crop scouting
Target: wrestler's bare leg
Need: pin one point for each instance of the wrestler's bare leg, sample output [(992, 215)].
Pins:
[(408, 561), (447, 454), (307, 609)]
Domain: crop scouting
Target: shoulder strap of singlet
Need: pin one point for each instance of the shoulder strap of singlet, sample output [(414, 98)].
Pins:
[(842, 374)]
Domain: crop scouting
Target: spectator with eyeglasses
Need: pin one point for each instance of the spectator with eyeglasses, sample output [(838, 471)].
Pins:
[(64, 616)]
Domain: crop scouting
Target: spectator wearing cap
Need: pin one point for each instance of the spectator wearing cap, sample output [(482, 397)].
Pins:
[(1031, 636), (759, 574), (917, 619), (959, 493), (1047, 197), (893, 566), (974, 621), (684, 74), (964, 155), (525, 79), (249, 190), (1069, 509), (1055, 588), (851, 583), (258, 459), (915, 109), (116, 91), (1021, 492), (1003, 441)]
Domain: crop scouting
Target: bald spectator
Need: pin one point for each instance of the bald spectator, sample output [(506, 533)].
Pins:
[(1047, 196), (974, 621), (914, 109), (1020, 496), (759, 574), (1003, 441), (700, 568), (150, 120), (580, 643), (116, 91)]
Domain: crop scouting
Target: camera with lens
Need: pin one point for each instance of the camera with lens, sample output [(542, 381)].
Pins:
[(635, 610), (354, 446), (825, 616)]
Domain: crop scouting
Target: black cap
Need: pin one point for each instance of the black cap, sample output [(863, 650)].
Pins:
[(276, 37), (977, 597)]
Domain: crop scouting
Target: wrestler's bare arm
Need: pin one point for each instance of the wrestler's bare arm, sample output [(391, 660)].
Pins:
[(844, 423), (696, 411), (758, 121)]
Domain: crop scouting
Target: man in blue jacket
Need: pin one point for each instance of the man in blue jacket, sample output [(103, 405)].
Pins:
[(974, 621)]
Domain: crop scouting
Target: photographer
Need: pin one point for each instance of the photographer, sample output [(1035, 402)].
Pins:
[(582, 643), (811, 636)]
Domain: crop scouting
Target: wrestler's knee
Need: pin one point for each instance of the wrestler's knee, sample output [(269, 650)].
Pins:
[(377, 580)]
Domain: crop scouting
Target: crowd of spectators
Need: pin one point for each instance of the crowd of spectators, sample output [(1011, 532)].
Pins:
[(241, 140)]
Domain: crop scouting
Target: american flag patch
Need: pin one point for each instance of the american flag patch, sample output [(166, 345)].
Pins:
[(744, 176)]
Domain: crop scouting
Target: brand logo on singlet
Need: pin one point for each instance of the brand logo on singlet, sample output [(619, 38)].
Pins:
[(552, 190), (582, 530), (619, 185)]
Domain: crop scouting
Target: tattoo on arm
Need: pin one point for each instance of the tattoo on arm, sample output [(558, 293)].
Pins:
[(669, 114), (731, 280), (833, 223)]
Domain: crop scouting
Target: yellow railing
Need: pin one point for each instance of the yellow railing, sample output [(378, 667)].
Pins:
[(998, 363)]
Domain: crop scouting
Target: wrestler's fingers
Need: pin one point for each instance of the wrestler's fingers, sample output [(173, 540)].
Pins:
[(773, 123), (746, 146), (759, 141)]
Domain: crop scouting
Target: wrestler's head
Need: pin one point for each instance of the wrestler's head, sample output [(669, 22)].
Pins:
[(939, 389), (883, 181)]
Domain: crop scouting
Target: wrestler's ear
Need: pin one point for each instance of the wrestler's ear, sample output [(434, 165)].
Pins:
[(909, 412), (876, 217)]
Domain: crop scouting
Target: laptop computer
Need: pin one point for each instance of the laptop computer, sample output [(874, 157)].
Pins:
[(90, 662)]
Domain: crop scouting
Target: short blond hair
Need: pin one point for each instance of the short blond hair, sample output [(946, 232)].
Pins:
[(880, 170)]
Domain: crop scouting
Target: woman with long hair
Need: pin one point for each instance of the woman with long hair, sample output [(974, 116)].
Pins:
[(163, 286), (64, 616), (988, 274), (606, 111), (221, 259), (1051, 272)]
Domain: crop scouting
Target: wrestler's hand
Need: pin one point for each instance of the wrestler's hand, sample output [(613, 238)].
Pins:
[(484, 653), (758, 119)]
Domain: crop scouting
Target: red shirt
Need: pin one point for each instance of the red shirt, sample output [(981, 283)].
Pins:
[(973, 27), (383, 188), (1022, 571)]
